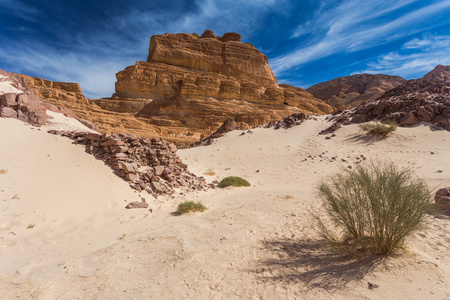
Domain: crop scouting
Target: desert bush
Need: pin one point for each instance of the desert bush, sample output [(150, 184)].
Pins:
[(378, 128), (234, 181), (373, 206), (190, 206)]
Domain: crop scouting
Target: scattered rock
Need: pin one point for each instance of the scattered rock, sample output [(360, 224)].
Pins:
[(149, 164)]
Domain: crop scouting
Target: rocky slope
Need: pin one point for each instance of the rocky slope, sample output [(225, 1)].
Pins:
[(199, 82), (349, 91), (419, 100)]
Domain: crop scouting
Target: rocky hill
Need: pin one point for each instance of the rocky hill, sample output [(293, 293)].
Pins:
[(349, 91), (419, 100)]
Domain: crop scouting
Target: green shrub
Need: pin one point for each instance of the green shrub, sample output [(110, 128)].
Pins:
[(374, 206), (234, 181), (190, 206), (377, 128)]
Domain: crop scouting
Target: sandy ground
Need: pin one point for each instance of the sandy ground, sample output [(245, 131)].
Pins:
[(252, 243)]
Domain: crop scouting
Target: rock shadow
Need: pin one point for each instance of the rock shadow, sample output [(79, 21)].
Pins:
[(310, 263)]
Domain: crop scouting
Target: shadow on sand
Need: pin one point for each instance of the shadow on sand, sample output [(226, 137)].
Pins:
[(365, 139), (308, 262)]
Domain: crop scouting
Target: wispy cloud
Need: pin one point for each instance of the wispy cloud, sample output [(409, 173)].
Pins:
[(20, 9), (417, 57), (356, 25), (93, 56)]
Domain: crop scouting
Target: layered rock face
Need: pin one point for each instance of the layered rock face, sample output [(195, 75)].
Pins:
[(68, 98), (349, 91), (419, 100), (200, 82)]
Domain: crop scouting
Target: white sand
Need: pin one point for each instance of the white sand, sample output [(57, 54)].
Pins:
[(7, 87), (252, 243)]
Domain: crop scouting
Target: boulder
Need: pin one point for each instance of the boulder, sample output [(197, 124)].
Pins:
[(7, 112), (8, 99), (208, 33), (442, 199), (231, 36), (128, 167)]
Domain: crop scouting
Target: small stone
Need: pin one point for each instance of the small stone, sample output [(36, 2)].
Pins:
[(136, 205), (159, 170)]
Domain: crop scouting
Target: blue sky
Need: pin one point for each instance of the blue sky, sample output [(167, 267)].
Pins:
[(307, 42)]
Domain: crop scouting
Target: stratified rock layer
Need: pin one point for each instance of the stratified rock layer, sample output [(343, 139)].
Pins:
[(200, 82), (69, 96), (349, 91)]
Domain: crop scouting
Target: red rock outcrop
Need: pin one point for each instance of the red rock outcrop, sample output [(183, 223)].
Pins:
[(21, 103), (349, 91), (419, 100)]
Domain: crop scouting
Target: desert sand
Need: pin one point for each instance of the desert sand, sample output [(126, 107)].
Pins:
[(65, 234)]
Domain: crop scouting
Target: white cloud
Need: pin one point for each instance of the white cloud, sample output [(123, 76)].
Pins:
[(416, 58), (355, 25)]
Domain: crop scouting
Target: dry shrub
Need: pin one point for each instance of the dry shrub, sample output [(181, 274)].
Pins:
[(380, 129), (234, 181), (190, 206), (374, 206)]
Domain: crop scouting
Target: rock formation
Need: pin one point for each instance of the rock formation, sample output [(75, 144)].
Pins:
[(349, 91), (419, 100), (19, 102), (200, 82), (69, 97), (189, 86)]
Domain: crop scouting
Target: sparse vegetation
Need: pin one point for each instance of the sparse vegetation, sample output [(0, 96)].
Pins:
[(233, 181), (375, 207), (190, 206), (378, 128), (3, 171), (439, 171), (210, 172), (30, 226)]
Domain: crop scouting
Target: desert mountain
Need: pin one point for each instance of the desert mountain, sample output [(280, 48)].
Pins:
[(426, 99), (349, 91)]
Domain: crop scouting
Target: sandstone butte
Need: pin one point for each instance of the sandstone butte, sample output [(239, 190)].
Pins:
[(349, 91), (188, 87)]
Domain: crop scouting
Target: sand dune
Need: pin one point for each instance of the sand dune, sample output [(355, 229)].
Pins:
[(252, 243)]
